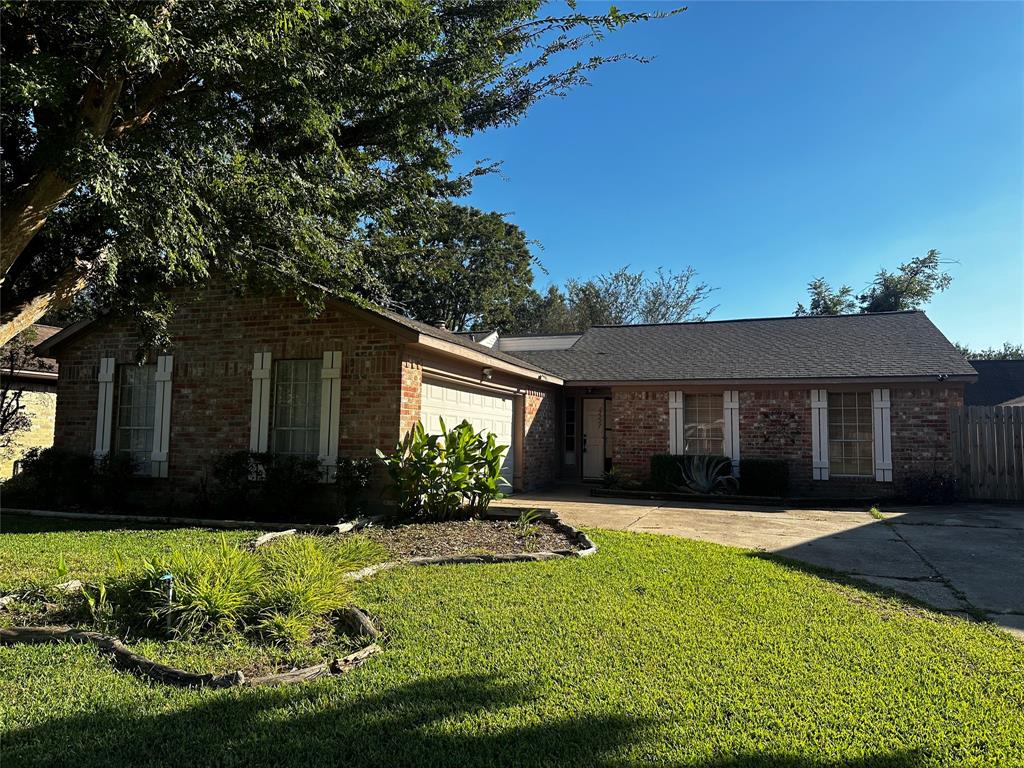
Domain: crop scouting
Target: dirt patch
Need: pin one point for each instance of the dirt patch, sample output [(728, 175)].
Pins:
[(466, 537)]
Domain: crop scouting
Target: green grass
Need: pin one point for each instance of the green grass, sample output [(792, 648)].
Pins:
[(654, 651)]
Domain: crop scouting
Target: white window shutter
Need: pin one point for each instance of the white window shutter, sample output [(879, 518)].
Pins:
[(105, 407), (330, 414), (162, 418), (883, 435), (731, 428), (259, 430), (676, 429), (819, 434)]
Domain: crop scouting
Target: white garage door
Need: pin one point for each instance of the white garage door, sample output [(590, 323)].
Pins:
[(484, 409)]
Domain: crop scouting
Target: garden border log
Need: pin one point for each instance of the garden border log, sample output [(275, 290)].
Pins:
[(125, 658)]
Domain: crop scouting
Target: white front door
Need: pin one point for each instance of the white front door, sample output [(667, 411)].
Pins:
[(593, 437), (486, 410)]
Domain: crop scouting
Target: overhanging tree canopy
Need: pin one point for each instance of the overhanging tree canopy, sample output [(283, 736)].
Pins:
[(148, 143)]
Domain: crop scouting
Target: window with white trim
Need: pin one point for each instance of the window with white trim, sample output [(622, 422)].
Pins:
[(850, 438), (703, 419), (296, 408), (136, 414)]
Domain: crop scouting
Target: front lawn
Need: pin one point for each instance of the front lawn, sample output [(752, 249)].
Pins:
[(655, 650)]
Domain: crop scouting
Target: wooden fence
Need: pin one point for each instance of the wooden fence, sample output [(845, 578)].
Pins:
[(988, 451)]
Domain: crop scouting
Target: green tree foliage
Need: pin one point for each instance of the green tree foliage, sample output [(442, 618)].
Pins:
[(911, 286), (145, 143), (467, 269), (1009, 351), (619, 297)]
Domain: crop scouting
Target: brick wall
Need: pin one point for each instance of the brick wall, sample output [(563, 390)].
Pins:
[(540, 444), (776, 424), (640, 425), (39, 399), (214, 335)]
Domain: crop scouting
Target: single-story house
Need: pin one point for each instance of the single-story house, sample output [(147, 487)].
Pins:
[(1000, 382), (29, 383), (856, 405)]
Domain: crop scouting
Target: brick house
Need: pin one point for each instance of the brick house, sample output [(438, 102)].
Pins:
[(855, 404), (34, 383)]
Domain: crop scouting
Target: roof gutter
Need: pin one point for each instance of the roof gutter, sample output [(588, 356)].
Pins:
[(648, 383), (22, 373), (482, 358)]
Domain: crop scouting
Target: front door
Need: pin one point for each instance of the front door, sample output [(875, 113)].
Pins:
[(593, 438)]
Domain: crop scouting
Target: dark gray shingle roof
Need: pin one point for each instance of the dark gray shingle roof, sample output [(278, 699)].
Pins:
[(882, 345), (998, 381)]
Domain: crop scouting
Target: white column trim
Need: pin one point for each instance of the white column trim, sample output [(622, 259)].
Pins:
[(676, 424), (104, 407), (259, 429), (819, 434), (162, 418), (731, 428), (330, 414), (881, 411)]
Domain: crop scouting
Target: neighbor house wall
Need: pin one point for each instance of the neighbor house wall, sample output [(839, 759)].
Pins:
[(39, 398)]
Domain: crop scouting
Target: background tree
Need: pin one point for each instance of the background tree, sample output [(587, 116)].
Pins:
[(1009, 351), (619, 297), (149, 143), (469, 269), (911, 286)]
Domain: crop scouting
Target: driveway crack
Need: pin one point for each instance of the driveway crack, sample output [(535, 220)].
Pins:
[(939, 576)]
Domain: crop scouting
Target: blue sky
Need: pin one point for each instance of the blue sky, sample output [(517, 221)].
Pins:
[(769, 143)]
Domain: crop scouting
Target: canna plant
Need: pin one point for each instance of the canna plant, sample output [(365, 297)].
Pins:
[(447, 475)]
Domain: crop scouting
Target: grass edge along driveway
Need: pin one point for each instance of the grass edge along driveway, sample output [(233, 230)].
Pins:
[(656, 650)]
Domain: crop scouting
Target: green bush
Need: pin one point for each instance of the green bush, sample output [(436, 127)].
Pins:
[(456, 473), (263, 486), (352, 479), (52, 477), (667, 470), (764, 477)]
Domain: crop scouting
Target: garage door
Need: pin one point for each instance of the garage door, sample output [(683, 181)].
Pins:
[(484, 409)]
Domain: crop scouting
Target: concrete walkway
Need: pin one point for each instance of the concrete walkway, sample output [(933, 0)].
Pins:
[(965, 559)]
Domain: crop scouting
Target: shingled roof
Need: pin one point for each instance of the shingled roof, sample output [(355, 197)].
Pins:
[(998, 382), (884, 345)]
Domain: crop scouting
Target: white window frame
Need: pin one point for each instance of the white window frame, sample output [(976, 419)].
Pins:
[(274, 426), (677, 413)]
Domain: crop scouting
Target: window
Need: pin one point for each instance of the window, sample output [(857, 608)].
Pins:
[(702, 419), (570, 424), (850, 440), (296, 410), (136, 414)]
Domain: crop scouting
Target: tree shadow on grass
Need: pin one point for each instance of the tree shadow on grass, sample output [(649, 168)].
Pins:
[(431, 722), (12, 522)]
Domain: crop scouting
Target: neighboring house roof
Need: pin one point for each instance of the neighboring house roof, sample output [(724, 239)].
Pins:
[(883, 345), (998, 381), (1015, 402), (38, 367)]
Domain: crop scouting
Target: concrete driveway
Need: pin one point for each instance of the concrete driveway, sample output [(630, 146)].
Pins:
[(966, 559)]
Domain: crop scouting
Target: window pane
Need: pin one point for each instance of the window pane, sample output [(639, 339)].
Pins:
[(702, 424), (851, 441), (135, 413), (296, 408)]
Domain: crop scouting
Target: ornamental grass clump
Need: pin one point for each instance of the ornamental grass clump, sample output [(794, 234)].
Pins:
[(281, 592)]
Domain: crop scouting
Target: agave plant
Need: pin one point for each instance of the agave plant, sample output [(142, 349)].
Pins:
[(708, 474)]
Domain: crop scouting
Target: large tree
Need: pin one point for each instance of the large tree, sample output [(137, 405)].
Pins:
[(911, 286), (146, 143), (1009, 351), (462, 267)]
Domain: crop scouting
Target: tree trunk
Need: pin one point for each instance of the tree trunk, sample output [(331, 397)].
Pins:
[(26, 214), (20, 316)]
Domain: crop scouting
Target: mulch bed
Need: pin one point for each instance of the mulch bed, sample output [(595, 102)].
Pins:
[(466, 537)]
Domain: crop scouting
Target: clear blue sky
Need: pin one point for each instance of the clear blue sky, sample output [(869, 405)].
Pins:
[(770, 143)]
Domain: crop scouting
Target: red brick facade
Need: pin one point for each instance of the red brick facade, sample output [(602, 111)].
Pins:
[(776, 423), (215, 334)]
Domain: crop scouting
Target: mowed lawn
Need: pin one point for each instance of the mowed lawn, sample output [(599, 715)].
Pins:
[(654, 651)]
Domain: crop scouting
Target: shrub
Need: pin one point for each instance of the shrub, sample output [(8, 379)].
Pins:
[(352, 479), (934, 488), (667, 470), (447, 475), (111, 475), (261, 486), (51, 477), (764, 477), (708, 474)]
